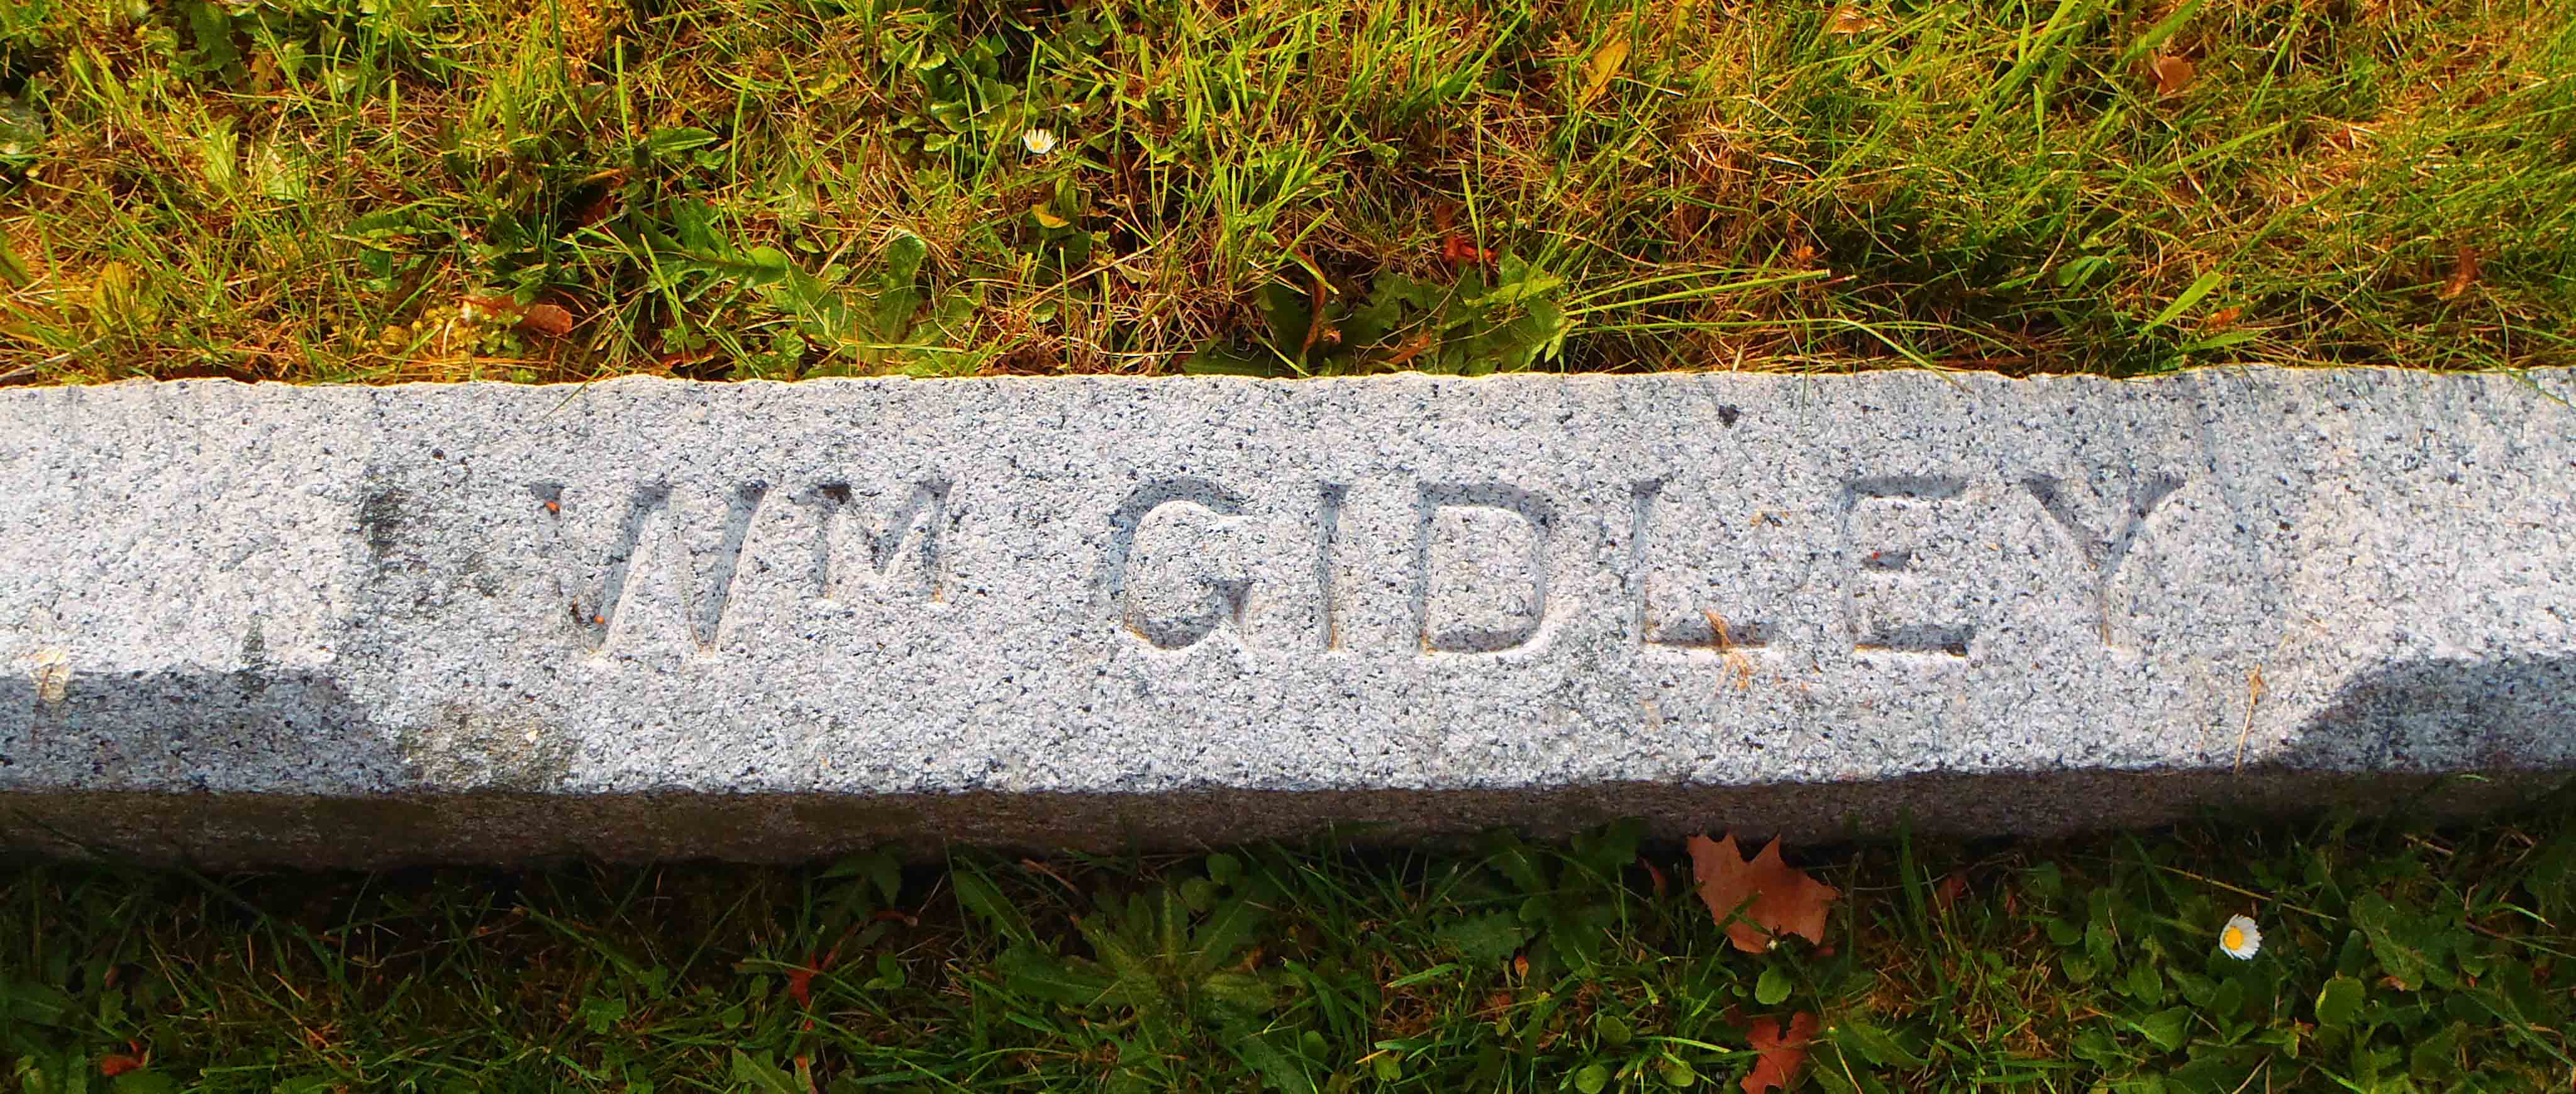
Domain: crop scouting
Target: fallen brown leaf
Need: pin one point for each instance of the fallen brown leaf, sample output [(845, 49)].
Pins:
[(2464, 272), (1783, 1053), (1758, 900), (546, 319), (2172, 74)]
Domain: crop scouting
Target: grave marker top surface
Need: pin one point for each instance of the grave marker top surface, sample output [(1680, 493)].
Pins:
[(1103, 585)]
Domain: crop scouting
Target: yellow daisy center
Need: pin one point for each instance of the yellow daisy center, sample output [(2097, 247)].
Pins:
[(2233, 938)]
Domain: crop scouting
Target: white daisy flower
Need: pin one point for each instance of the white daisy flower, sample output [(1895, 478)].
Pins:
[(2240, 938), (1039, 142)]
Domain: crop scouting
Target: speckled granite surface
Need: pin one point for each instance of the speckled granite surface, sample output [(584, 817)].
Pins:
[(657, 619)]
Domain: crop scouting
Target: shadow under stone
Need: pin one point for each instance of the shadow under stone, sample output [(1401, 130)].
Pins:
[(2440, 715)]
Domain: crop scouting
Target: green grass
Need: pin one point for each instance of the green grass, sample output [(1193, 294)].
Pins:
[(2394, 958), (325, 189)]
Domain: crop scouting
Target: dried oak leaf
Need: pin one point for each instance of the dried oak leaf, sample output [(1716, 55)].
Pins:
[(2172, 74), (1774, 898), (1783, 1053)]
